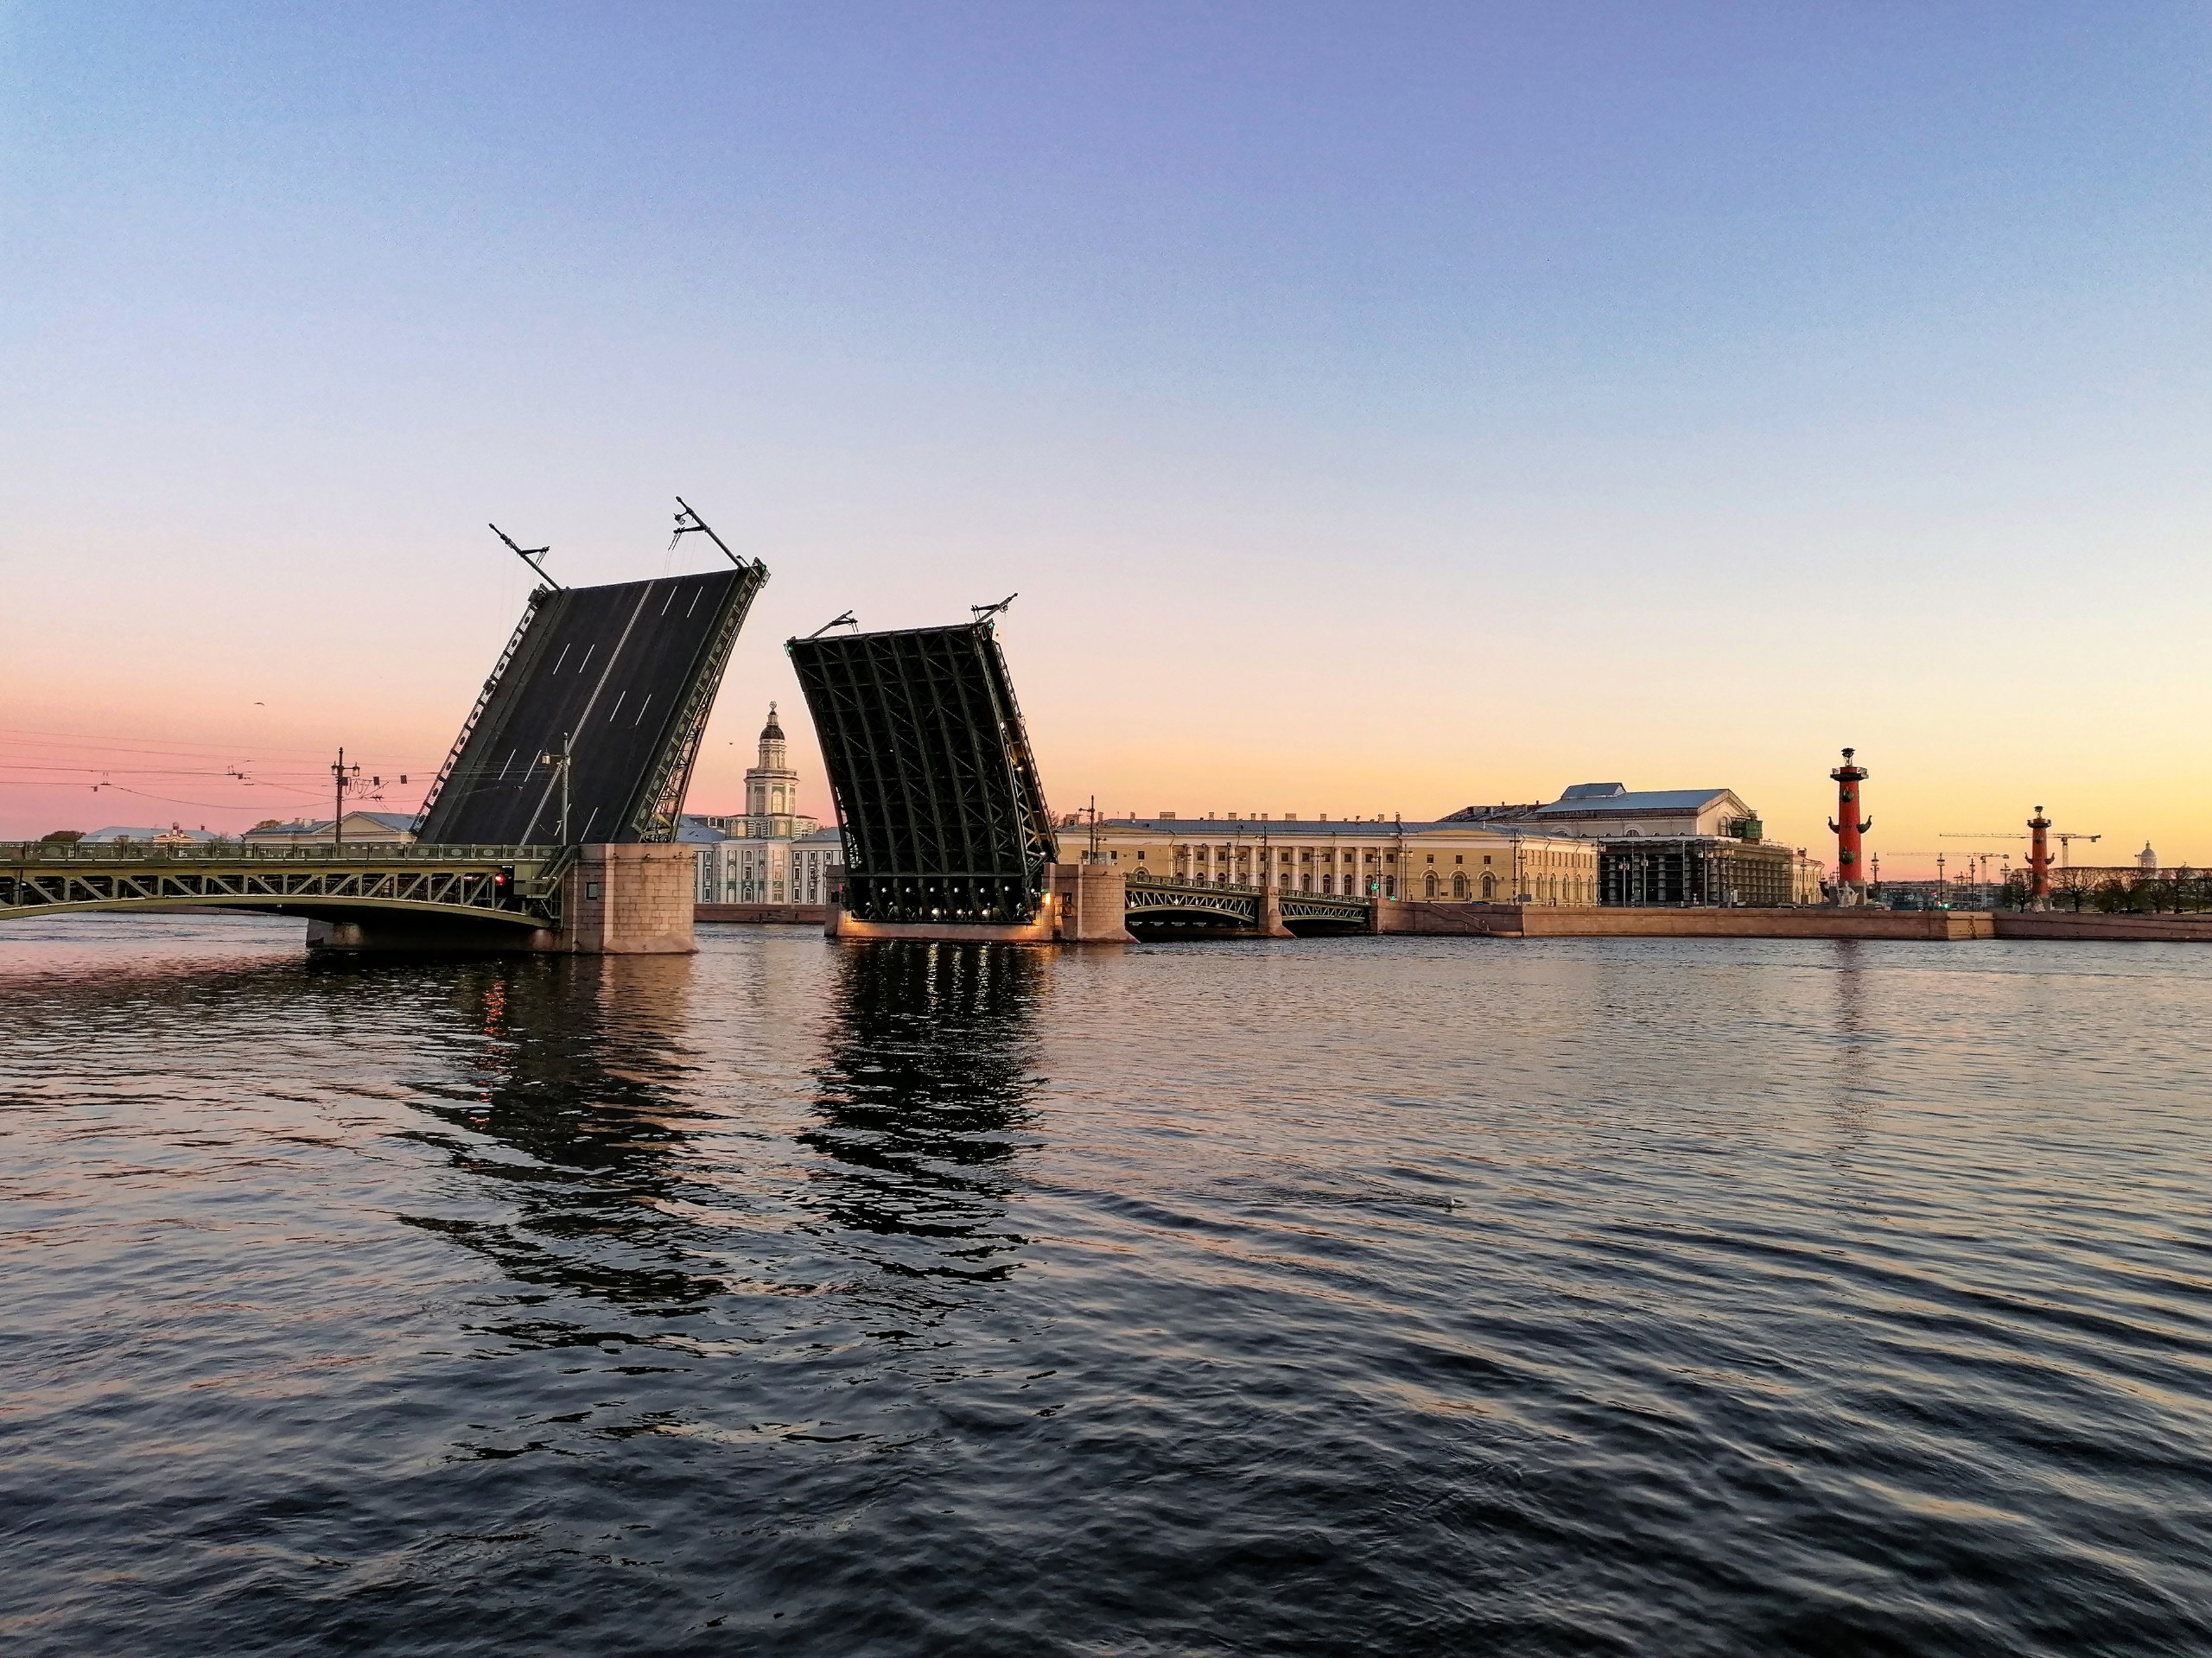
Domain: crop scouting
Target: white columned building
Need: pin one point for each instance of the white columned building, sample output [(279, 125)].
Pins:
[(771, 853)]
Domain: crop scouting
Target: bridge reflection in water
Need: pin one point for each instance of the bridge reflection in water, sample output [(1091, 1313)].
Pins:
[(585, 1068), (924, 1097), (632, 1155)]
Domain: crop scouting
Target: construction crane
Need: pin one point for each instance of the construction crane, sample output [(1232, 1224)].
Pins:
[(2065, 839)]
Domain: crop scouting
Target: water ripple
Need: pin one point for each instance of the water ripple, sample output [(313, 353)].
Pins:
[(1389, 1295)]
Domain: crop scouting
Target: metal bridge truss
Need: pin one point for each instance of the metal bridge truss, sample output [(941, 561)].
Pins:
[(937, 791), (537, 597), (510, 885), (1175, 901), (1194, 903), (1320, 908)]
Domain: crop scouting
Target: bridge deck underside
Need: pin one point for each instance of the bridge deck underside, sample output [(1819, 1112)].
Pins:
[(938, 795)]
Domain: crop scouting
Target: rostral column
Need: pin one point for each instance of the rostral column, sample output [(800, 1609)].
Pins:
[(1850, 882), (2039, 861)]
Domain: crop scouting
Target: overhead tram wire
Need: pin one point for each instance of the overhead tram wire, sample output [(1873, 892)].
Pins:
[(688, 522), (529, 555), (149, 745)]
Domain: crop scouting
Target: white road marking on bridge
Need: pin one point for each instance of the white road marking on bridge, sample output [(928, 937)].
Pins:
[(615, 655)]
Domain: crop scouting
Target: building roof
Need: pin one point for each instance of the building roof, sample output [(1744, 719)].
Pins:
[(822, 837), (1592, 791), (772, 732), (398, 823), (695, 831), (1500, 813), (1643, 803), (124, 832)]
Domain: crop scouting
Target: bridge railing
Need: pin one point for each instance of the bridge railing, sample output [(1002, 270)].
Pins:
[(73, 852), (1147, 878)]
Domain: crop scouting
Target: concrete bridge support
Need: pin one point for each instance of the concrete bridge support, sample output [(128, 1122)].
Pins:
[(1083, 905), (615, 900), (1092, 900), (628, 900)]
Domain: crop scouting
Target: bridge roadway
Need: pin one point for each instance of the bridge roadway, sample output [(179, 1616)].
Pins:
[(494, 885), (1167, 905)]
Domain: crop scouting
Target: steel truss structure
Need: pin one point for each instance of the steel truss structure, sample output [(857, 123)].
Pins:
[(511, 885), (1167, 902), (588, 728), (1170, 901), (1320, 907), (930, 767)]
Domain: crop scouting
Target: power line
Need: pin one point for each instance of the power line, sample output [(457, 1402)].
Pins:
[(152, 743)]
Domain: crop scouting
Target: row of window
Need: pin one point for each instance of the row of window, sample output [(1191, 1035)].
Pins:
[(1488, 887), (747, 882), (1203, 854)]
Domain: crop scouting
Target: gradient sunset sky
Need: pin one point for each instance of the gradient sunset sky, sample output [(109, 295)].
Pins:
[(1378, 409)]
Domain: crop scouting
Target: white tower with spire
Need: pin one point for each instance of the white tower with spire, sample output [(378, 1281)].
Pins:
[(772, 787), (771, 853)]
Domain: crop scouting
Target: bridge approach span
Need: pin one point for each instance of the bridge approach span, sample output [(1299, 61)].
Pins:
[(1170, 907), (498, 888)]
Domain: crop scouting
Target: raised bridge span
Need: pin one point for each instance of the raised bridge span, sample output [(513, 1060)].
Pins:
[(552, 824)]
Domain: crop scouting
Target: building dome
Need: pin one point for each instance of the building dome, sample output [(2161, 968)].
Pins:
[(772, 732)]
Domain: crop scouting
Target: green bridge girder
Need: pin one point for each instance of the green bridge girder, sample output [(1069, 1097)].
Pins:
[(513, 887), (1168, 901)]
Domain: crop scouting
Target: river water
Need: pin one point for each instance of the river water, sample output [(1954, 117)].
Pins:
[(1385, 1295)]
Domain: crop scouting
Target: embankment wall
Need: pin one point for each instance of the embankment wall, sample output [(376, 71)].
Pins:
[(774, 915), (2128, 928), (1563, 921)]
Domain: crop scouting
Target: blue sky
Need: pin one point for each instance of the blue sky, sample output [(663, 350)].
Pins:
[(1377, 408)]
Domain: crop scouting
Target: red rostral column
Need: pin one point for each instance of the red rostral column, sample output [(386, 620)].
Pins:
[(2039, 861), (1850, 882)]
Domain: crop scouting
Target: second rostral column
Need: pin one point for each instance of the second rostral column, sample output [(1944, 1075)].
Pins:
[(1850, 864)]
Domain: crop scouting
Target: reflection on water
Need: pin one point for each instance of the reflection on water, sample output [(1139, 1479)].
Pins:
[(1413, 1296), (581, 1067), (924, 1093)]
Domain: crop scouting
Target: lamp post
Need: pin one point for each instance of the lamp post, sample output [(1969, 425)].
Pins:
[(561, 760), (345, 777)]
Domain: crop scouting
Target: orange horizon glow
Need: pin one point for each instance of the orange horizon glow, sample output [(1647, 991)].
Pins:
[(1377, 411)]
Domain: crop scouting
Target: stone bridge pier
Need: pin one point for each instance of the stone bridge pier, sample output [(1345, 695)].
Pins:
[(1084, 904), (614, 900)]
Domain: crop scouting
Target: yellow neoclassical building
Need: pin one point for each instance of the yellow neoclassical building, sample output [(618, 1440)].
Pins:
[(1461, 862)]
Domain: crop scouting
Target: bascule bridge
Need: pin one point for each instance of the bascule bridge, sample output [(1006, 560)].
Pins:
[(947, 834), (551, 826)]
